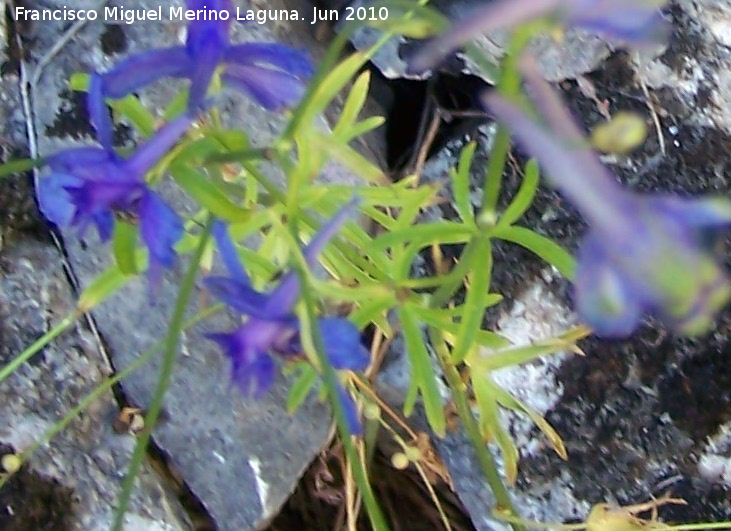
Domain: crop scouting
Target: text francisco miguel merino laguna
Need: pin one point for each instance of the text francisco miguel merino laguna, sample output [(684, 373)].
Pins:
[(128, 16)]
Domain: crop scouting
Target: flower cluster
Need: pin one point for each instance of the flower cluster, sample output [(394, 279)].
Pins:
[(95, 185), (92, 185), (643, 254), (272, 328)]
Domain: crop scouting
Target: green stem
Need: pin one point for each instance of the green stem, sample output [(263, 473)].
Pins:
[(461, 401), (331, 384), (37, 345), (166, 370)]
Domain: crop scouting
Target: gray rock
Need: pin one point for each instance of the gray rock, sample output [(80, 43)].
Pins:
[(73, 481), (241, 458)]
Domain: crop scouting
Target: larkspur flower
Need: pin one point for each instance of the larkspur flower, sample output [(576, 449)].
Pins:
[(92, 185), (272, 74), (272, 327), (643, 253), (634, 22)]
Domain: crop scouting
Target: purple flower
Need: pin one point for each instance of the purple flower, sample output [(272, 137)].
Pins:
[(272, 327), (643, 253), (636, 22), (272, 74), (92, 185)]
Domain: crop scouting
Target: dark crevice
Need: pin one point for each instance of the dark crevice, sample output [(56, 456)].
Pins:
[(410, 107), (31, 501)]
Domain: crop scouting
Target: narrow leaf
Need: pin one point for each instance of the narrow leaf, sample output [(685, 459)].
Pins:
[(545, 248), (208, 194), (524, 198)]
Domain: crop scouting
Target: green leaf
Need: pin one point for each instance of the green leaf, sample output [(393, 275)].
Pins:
[(301, 386), (509, 401), (124, 245), (332, 84), (461, 184), (176, 106), (425, 234), (473, 309), (361, 128), (131, 107), (443, 319), (375, 312), (353, 104), (545, 248), (423, 377), (347, 156), (106, 284), (524, 198), (507, 356), (208, 194), (79, 81), (410, 19), (490, 426)]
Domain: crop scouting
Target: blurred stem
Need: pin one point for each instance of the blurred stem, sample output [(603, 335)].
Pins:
[(461, 402), (163, 381)]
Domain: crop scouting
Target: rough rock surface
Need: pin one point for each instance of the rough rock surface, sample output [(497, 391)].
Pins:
[(73, 482)]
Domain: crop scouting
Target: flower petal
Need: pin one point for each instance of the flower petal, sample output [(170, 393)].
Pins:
[(99, 114), (208, 55), (704, 213), (228, 252), (71, 160), (285, 58), (147, 155), (252, 371), (638, 22), (341, 340), (161, 228), (54, 200), (239, 296), (605, 299), (272, 89), (138, 71), (351, 411)]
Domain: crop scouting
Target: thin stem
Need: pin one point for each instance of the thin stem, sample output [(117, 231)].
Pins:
[(37, 345), (166, 370), (331, 383), (461, 401)]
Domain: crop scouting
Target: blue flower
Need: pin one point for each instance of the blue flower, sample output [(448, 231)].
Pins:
[(643, 253), (272, 74), (92, 185), (635, 22), (272, 327)]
